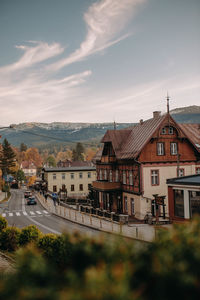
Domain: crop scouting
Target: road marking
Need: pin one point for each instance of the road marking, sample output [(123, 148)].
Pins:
[(10, 214), (32, 213), (46, 212), (17, 214), (38, 212), (24, 213), (3, 215)]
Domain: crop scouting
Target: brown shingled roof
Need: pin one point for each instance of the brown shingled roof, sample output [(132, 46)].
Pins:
[(192, 131), (128, 143)]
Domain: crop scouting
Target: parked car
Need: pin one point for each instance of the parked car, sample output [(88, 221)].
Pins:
[(27, 194), (31, 201)]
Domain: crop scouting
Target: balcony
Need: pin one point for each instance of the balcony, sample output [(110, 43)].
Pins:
[(108, 159), (106, 185)]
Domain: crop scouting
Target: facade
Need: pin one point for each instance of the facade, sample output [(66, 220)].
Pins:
[(134, 163), (76, 180), (184, 197), (28, 168)]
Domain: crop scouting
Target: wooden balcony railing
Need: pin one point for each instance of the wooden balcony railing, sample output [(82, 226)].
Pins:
[(106, 185), (108, 159)]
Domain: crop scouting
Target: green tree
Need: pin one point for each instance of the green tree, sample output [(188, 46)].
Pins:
[(78, 152), (51, 161), (23, 147), (20, 176), (7, 158)]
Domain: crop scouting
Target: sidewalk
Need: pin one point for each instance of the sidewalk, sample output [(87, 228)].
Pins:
[(143, 232)]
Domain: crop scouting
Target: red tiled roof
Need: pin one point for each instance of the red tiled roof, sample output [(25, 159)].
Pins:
[(28, 165)]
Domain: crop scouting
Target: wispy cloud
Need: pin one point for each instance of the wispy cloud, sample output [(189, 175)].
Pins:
[(105, 20), (33, 55)]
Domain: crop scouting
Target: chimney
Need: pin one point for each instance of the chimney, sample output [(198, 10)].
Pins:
[(141, 121), (156, 114)]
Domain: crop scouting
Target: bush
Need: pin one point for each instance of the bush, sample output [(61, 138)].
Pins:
[(29, 234), (9, 239), (3, 223)]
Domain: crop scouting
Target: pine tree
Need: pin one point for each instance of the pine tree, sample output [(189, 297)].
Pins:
[(77, 154), (7, 158)]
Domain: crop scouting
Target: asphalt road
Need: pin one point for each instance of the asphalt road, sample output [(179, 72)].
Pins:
[(19, 214)]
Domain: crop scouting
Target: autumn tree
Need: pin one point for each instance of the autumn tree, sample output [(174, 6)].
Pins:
[(63, 155), (20, 176), (32, 155), (90, 153)]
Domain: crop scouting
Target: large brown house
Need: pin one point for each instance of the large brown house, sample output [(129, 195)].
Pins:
[(135, 163)]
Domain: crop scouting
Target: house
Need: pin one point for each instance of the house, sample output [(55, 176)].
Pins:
[(76, 180), (28, 168), (69, 163), (134, 164), (184, 197)]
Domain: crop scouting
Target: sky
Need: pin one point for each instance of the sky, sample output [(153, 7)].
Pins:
[(97, 60)]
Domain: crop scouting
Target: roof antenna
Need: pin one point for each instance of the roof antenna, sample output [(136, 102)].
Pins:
[(114, 124), (167, 103)]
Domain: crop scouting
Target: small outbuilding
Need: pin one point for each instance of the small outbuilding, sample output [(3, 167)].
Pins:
[(184, 197)]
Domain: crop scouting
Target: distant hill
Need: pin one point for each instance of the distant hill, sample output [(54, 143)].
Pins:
[(188, 114), (43, 135)]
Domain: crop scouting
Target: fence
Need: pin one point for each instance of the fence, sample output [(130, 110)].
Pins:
[(85, 216)]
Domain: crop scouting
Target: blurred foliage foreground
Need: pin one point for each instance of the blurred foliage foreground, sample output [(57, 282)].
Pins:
[(76, 267)]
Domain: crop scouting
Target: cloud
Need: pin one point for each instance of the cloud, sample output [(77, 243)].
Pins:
[(105, 20), (33, 55)]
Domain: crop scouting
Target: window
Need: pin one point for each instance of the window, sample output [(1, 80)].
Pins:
[(154, 177), (160, 149), (116, 176), (72, 175), (72, 187), (132, 206), (54, 188), (105, 174), (54, 176), (89, 186), (80, 175), (163, 130), (89, 175), (124, 177), (130, 177), (171, 130), (125, 204), (80, 187), (63, 175), (180, 172), (178, 203), (110, 176), (197, 170), (173, 148), (100, 174), (63, 187)]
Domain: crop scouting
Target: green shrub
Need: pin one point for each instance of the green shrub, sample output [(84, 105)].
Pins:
[(29, 234), (3, 223), (9, 239)]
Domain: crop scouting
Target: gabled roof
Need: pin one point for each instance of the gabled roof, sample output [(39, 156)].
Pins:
[(28, 165), (128, 143)]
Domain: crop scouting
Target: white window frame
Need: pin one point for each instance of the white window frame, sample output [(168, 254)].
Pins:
[(124, 177), (125, 203), (105, 175), (132, 206), (130, 177), (116, 176), (160, 149), (72, 175), (154, 177), (110, 176), (171, 130), (163, 130), (54, 176), (174, 148), (89, 174), (80, 175)]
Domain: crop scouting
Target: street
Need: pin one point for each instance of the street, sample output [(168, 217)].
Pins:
[(19, 214)]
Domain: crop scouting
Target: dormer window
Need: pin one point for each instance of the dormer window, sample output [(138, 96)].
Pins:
[(171, 130), (163, 130)]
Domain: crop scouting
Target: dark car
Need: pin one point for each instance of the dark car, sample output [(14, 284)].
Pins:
[(31, 201), (27, 194)]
